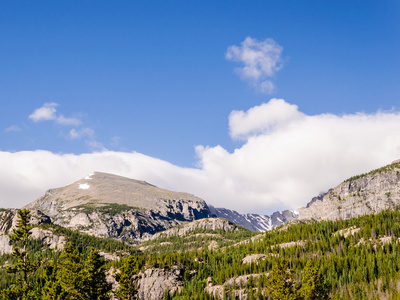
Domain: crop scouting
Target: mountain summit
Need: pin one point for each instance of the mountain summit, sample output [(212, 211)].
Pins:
[(104, 205)]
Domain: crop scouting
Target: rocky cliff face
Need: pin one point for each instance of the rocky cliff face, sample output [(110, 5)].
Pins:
[(8, 218), (360, 195), (107, 205), (205, 224), (153, 282)]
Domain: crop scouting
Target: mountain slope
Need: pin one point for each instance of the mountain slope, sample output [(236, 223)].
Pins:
[(359, 195), (107, 205)]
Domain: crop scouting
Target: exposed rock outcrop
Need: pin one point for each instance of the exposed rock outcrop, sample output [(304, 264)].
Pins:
[(8, 219), (235, 286), (52, 240), (253, 258), (209, 223), (360, 195), (152, 283)]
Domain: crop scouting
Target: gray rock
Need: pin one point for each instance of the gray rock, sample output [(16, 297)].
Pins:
[(365, 194), (236, 287), (5, 247), (52, 240), (152, 283), (209, 223)]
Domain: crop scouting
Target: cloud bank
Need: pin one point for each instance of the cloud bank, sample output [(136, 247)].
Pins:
[(287, 157), (260, 59)]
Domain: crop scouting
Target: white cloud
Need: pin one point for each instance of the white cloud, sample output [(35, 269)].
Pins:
[(88, 135), (287, 158), (263, 119), (13, 128), (67, 121), (45, 113), (48, 113), (260, 59), (80, 133)]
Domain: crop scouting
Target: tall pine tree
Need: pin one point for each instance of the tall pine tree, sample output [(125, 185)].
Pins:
[(281, 283), (24, 267), (69, 273), (126, 289), (95, 285), (312, 284)]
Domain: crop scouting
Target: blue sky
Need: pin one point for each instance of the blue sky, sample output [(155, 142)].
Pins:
[(154, 78)]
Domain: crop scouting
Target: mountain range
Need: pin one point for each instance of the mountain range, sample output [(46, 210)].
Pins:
[(106, 205), (123, 217)]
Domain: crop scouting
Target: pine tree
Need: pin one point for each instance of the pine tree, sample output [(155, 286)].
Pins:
[(281, 284), (52, 289), (22, 288), (312, 287), (126, 289), (69, 273), (95, 285)]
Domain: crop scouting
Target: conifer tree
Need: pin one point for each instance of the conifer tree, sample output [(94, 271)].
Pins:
[(126, 289), (22, 288), (312, 287), (69, 273), (95, 285), (52, 289), (281, 284)]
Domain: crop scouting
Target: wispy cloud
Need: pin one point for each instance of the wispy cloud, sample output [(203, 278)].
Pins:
[(88, 135), (260, 59), (80, 133), (13, 128), (48, 112)]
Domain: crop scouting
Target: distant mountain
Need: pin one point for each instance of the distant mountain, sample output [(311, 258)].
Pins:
[(254, 222), (107, 205)]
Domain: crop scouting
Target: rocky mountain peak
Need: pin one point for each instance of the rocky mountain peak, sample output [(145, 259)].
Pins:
[(99, 189), (110, 205)]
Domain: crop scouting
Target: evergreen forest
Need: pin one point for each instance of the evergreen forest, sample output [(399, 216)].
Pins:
[(344, 259)]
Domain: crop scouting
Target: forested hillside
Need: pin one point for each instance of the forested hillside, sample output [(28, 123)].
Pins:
[(356, 259)]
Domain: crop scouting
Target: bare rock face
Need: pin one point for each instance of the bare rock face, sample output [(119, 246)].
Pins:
[(360, 195), (52, 240), (253, 258), (235, 285), (153, 282), (8, 219), (107, 205), (209, 223), (5, 247)]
